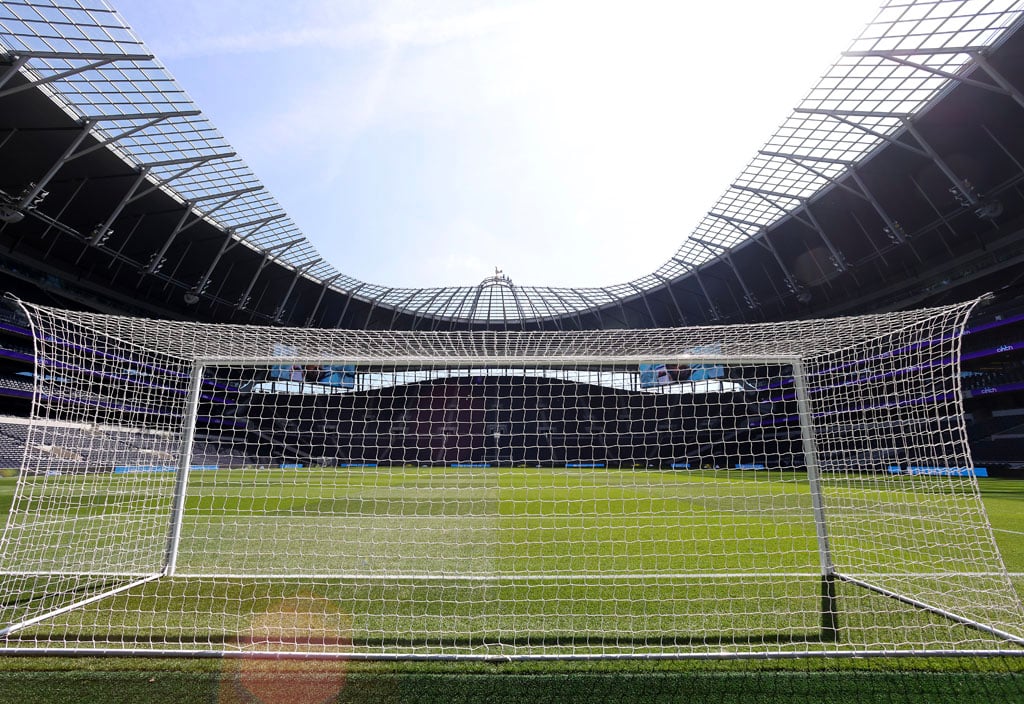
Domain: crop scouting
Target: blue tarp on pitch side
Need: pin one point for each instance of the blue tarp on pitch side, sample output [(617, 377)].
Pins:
[(471, 464), (942, 471), (126, 469), (577, 465)]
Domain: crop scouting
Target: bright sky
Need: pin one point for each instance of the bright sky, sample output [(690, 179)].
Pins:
[(426, 142)]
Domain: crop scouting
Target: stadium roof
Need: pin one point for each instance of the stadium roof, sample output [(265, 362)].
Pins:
[(86, 59)]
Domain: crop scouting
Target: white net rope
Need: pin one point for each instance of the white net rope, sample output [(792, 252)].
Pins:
[(770, 489)]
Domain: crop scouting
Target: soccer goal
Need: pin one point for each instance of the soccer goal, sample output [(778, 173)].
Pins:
[(772, 490)]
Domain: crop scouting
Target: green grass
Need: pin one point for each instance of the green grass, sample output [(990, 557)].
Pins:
[(523, 511)]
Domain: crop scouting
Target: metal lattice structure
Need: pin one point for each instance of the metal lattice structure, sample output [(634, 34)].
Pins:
[(85, 58)]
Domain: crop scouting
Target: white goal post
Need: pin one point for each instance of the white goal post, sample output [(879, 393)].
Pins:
[(768, 490)]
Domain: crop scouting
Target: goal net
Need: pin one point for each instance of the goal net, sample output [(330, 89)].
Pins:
[(736, 491)]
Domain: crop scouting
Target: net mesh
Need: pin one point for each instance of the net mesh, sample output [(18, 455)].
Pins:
[(774, 489)]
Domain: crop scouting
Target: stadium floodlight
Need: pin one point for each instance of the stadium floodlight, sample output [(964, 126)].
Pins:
[(770, 490)]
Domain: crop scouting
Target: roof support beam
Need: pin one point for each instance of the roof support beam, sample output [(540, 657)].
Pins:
[(426, 309), (647, 305), (32, 193), (182, 226), (767, 195), (231, 242), (838, 260), (72, 152), (348, 301), (324, 286), (671, 294), (157, 259), (477, 292), (864, 193), (828, 179), (243, 300), (257, 225), (205, 280), (805, 157), (843, 116), (462, 304), (595, 307), (958, 183), (977, 54), (398, 308), (11, 71), (723, 253), (60, 75), (152, 119), (946, 74), (894, 229), (837, 257), (193, 164), (443, 311), (715, 313), (79, 56), (761, 237), (519, 306), (712, 308), (923, 51), (299, 271), (373, 306), (54, 221), (574, 311), (226, 194), (99, 235), (1007, 87), (13, 131)]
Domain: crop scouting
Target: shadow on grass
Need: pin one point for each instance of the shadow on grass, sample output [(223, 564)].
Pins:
[(561, 643), (308, 687)]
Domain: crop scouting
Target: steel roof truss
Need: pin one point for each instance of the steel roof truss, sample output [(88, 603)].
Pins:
[(34, 82), (399, 306), (893, 229), (761, 238), (828, 179), (958, 183), (843, 116), (79, 55), (32, 193), (324, 286), (671, 294), (12, 70), (647, 304), (279, 313), (100, 233), (715, 314), (806, 157), (153, 119), (192, 165), (243, 300), (183, 225), (1010, 89)]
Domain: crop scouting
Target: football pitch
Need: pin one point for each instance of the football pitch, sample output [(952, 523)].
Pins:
[(598, 561)]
